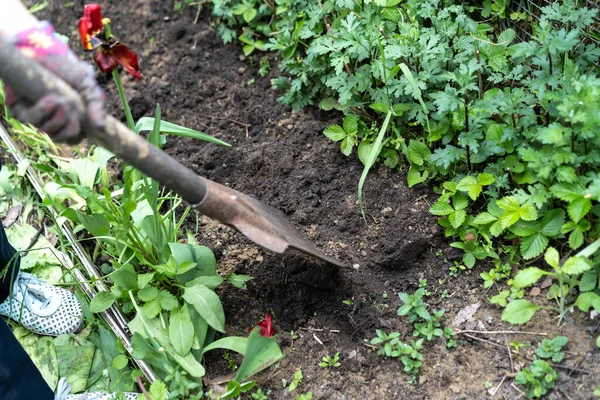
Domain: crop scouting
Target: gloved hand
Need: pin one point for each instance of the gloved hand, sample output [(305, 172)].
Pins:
[(53, 114)]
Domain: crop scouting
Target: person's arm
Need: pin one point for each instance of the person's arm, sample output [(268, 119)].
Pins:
[(14, 18), (55, 115)]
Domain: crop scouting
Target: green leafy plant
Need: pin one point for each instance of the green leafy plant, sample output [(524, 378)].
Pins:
[(538, 378), (414, 306), (331, 362), (552, 348), (296, 380)]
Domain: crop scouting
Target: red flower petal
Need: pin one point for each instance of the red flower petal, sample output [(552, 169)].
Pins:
[(266, 327), (127, 58), (105, 59), (90, 24)]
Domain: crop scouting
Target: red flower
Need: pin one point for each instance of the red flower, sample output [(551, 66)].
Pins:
[(90, 25), (266, 327), (110, 52)]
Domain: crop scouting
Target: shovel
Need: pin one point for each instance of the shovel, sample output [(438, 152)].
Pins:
[(262, 224)]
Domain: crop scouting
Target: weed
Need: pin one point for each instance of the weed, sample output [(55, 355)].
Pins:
[(538, 378), (305, 396), (517, 345), (414, 306), (331, 362), (296, 380), (551, 348)]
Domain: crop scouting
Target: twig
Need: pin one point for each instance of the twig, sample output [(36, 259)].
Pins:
[(483, 340), (318, 340), (504, 332), (142, 388), (312, 329), (35, 237), (518, 390), (512, 364), (583, 371), (493, 393), (563, 393), (370, 346)]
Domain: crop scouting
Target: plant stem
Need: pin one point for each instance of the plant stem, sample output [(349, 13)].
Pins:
[(467, 130), (126, 108)]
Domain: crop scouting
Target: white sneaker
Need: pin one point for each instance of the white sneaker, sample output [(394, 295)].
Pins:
[(42, 308), (63, 392)]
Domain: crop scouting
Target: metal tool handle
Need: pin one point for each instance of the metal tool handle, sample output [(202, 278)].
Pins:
[(31, 81)]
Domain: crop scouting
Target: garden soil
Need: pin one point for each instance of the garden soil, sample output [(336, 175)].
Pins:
[(283, 159)]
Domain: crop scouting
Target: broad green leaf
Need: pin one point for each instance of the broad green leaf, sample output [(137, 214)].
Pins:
[(417, 152), (233, 343), (102, 301), (335, 133), (207, 304), (414, 177), (364, 151), (519, 311), (528, 276), (120, 362), (576, 265), (74, 355), (508, 219), (380, 107), (42, 352), (142, 350), (261, 352), (587, 300), (202, 256), (460, 201), (181, 330), (210, 282), (506, 37), (588, 281), (125, 277)]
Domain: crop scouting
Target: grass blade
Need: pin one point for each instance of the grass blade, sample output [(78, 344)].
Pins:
[(371, 160), (416, 91)]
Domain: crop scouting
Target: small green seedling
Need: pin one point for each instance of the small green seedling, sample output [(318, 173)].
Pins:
[(331, 362), (414, 306), (551, 348), (538, 378), (305, 396), (296, 380), (517, 345)]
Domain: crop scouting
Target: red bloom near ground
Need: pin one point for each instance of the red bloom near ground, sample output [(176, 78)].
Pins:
[(110, 52), (266, 327)]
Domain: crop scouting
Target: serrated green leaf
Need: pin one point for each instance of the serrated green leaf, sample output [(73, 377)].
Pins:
[(506, 37), (588, 281), (508, 219), (380, 107), (335, 133), (519, 311), (528, 276), (414, 177), (470, 185), (484, 218), (552, 222), (460, 201), (576, 265), (485, 179), (351, 125), (441, 208), (527, 212), (457, 218), (533, 246), (578, 208), (347, 145), (508, 204)]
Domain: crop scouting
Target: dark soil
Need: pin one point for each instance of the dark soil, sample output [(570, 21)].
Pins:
[(283, 159)]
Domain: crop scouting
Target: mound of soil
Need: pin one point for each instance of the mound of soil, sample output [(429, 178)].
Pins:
[(283, 159)]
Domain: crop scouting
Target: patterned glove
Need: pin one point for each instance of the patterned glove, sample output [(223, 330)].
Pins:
[(53, 114)]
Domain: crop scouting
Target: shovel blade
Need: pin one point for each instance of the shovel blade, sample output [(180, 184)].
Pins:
[(263, 224)]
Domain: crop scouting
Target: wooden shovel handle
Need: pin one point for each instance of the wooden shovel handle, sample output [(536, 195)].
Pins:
[(31, 81)]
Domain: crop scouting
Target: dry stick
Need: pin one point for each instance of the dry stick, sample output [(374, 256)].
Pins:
[(504, 332), (499, 385), (483, 340), (142, 388), (583, 371), (512, 364)]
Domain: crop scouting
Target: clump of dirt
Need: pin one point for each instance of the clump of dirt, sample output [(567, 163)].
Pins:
[(283, 159)]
